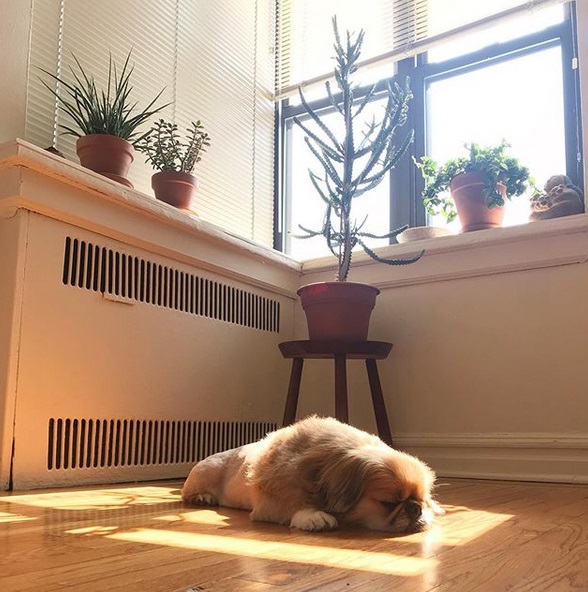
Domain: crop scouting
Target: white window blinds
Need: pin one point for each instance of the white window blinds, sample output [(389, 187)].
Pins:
[(306, 34), (394, 30), (215, 60)]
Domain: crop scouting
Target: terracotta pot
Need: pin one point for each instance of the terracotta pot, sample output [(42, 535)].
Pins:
[(338, 310), (175, 188), (467, 191), (110, 156)]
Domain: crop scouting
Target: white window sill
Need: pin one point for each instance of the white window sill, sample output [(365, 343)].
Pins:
[(32, 179), (547, 243)]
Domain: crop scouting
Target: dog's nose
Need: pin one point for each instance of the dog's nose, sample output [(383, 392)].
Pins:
[(413, 509)]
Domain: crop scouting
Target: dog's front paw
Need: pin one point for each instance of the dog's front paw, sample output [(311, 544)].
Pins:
[(201, 499), (310, 519)]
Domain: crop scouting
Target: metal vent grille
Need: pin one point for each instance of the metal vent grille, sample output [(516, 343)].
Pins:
[(105, 443), (101, 269)]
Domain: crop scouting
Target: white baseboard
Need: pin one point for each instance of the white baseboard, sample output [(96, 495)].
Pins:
[(557, 458)]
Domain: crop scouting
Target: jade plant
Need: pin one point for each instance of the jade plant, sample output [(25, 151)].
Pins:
[(167, 150), (495, 164), (110, 111), (356, 160)]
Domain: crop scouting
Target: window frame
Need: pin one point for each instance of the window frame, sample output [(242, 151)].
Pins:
[(410, 210)]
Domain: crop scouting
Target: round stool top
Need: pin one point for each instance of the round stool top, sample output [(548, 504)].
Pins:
[(328, 348)]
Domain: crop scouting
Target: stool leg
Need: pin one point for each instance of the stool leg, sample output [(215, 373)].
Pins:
[(293, 392), (378, 401), (341, 410)]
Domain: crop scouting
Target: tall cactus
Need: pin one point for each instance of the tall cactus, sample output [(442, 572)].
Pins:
[(359, 160)]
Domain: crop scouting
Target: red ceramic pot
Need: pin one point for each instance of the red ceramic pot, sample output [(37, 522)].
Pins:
[(175, 188), (110, 156), (338, 310)]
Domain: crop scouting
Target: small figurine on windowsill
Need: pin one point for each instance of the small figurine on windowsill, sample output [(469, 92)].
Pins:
[(560, 198)]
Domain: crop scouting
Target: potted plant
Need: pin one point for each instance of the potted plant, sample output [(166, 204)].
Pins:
[(174, 158), (473, 187), (352, 163), (107, 121)]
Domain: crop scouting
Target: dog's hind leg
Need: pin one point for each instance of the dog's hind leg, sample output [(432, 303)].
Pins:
[(197, 491), (204, 483), (200, 499)]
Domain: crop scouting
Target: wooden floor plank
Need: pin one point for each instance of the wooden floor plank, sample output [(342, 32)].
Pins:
[(494, 537)]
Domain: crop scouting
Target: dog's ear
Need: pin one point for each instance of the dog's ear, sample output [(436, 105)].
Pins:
[(339, 479)]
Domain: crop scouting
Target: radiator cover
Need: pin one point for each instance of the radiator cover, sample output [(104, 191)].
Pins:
[(133, 365), (117, 274), (90, 444)]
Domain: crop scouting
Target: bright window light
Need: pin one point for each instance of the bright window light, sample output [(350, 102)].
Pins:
[(308, 209), (463, 11), (503, 101)]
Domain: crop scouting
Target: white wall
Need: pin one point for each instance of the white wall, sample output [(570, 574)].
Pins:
[(488, 375)]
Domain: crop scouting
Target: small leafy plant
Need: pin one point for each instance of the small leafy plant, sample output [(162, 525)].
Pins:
[(167, 151), (492, 161), (358, 160), (109, 111)]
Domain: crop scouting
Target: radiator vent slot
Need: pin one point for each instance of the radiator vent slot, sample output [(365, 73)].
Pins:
[(106, 443), (101, 269)]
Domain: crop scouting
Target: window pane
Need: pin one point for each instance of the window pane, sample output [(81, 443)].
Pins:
[(306, 206), (507, 101)]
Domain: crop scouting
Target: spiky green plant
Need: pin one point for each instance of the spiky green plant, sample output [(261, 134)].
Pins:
[(110, 111), (356, 162), (165, 150)]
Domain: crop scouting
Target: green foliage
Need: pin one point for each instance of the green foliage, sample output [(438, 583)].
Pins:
[(166, 151), (372, 150), (102, 112), (492, 161)]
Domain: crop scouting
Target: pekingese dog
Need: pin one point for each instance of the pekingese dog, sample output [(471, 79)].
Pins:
[(316, 474)]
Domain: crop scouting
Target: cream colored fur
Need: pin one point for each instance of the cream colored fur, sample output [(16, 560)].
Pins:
[(315, 475)]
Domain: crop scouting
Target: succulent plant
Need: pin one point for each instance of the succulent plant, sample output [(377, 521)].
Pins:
[(166, 150), (497, 166), (102, 112)]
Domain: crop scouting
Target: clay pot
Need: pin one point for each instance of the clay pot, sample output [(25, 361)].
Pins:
[(417, 233), (467, 191), (338, 310), (110, 156), (175, 188)]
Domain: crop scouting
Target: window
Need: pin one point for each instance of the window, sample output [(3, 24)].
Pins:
[(309, 212), (214, 58), (457, 104), (513, 77)]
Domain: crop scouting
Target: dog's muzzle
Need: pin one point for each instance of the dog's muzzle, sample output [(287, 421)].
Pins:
[(409, 517)]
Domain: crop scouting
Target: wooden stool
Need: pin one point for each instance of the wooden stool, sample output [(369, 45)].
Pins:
[(340, 351)]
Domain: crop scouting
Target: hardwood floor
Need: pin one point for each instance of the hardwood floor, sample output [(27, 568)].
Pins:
[(496, 536)]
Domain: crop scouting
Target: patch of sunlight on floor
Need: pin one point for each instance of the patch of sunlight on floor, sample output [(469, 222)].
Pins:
[(100, 499), (6, 517), (209, 517), (475, 523), (91, 530), (378, 562)]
